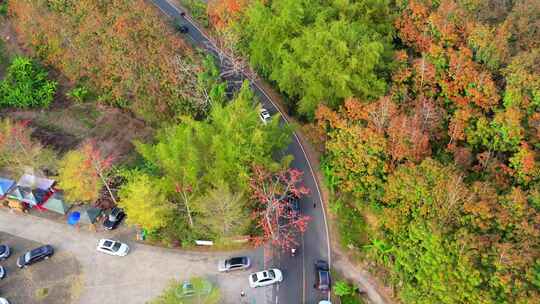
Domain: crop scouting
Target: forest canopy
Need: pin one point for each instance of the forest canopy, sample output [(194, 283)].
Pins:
[(445, 165), (320, 52), (122, 50)]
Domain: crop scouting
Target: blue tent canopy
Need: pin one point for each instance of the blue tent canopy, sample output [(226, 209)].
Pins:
[(5, 185), (30, 196)]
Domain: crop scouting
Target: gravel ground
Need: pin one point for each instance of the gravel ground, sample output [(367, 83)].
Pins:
[(56, 280), (133, 279)]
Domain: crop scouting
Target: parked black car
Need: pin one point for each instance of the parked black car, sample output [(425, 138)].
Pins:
[(114, 219), (35, 255), (2, 272), (4, 252), (322, 274)]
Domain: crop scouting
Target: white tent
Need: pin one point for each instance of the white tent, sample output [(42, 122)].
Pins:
[(34, 182)]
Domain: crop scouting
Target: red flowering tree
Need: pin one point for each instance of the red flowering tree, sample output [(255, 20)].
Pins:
[(275, 195)]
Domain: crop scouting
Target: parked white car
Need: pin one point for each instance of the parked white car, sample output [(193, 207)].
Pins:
[(112, 247), (4, 301), (265, 116), (265, 278)]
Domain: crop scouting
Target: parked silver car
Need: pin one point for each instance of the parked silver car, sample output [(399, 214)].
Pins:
[(234, 263)]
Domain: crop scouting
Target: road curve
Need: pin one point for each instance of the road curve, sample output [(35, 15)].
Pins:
[(299, 270)]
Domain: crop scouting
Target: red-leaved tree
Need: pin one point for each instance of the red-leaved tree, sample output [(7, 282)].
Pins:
[(274, 195)]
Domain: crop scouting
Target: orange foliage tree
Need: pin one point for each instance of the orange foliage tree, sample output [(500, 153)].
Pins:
[(223, 12), (122, 50)]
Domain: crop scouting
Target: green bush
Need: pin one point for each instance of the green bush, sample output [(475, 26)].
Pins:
[(3, 8), (26, 85), (347, 293), (351, 224), (79, 94), (198, 10)]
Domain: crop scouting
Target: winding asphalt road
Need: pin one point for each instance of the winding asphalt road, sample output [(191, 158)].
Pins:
[(299, 271)]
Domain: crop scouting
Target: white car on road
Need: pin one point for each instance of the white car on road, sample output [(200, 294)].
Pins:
[(265, 278), (4, 301), (265, 116), (112, 247)]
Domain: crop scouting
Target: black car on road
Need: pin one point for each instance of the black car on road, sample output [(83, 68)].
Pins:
[(35, 255), (114, 219), (322, 274)]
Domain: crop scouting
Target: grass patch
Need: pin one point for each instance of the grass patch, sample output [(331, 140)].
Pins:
[(197, 8), (76, 287), (4, 57), (41, 293), (351, 224)]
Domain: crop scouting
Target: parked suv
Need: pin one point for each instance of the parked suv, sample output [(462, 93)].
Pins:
[(113, 220), (35, 255), (322, 274), (235, 263)]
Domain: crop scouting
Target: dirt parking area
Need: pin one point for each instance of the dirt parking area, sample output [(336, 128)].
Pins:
[(54, 281)]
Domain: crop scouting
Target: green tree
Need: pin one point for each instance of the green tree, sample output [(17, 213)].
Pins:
[(320, 52), (503, 133), (201, 291), (342, 288), (25, 85), (192, 159), (434, 269), (145, 202), (222, 212)]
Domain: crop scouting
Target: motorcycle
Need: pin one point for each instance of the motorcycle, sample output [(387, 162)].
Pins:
[(293, 251)]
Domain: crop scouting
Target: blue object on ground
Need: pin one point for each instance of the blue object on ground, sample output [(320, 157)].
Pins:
[(74, 217)]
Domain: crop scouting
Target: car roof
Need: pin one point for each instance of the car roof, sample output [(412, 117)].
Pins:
[(115, 210), (106, 243), (324, 277), (237, 260), (40, 250), (321, 264)]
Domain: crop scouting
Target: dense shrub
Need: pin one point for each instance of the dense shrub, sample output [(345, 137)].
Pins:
[(26, 85)]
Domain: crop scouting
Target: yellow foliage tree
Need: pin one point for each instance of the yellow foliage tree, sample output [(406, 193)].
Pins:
[(145, 204), (78, 178)]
